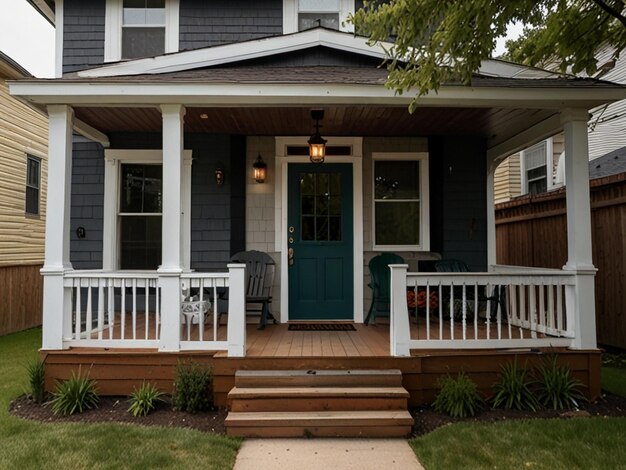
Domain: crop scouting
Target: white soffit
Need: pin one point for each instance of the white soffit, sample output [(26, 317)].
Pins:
[(236, 52)]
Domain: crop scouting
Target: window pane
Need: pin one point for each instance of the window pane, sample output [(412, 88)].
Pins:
[(397, 223), (141, 12), (307, 184), (309, 20), (142, 42), (537, 173), (32, 200), (536, 155), (396, 179), (140, 242), (318, 5), (538, 186), (321, 228), (141, 189), (32, 172)]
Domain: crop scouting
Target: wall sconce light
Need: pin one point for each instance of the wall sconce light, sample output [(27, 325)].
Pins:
[(219, 176), (317, 145), (260, 169)]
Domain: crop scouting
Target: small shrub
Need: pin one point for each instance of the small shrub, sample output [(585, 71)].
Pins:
[(458, 396), (514, 390), (78, 393), (556, 388), (193, 387), (144, 399), (36, 377)]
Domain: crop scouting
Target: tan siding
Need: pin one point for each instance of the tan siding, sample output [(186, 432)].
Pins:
[(507, 179), (22, 130)]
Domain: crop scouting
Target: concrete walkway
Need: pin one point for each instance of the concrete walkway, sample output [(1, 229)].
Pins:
[(317, 453)]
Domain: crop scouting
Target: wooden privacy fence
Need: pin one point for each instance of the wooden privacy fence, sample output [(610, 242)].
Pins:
[(21, 289), (532, 231)]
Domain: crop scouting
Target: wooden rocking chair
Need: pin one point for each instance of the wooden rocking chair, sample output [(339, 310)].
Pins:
[(260, 270), (380, 283)]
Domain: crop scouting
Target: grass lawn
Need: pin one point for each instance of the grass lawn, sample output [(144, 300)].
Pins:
[(27, 445), (586, 443)]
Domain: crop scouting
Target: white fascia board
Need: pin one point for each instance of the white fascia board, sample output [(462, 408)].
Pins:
[(286, 94), (229, 53)]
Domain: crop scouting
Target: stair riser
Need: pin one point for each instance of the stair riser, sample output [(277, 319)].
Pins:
[(320, 381), (317, 404), (320, 431)]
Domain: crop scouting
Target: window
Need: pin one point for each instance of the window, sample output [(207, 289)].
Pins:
[(400, 190), (140, 216), (140, 28), (33, 184), (143, 28), (536, 165), (299, 15)]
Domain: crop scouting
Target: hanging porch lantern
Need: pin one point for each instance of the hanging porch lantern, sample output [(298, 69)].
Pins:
[(317, 144), (260, 169)]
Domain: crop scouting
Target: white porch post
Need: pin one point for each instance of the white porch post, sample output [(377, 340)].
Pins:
[(172, 210), (580, 298), (57, 301), (236, 329), (399, 327)]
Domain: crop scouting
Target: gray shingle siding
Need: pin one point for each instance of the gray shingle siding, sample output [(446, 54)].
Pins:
[(87, 204), (458, 191), (224, 21), (83, 34)]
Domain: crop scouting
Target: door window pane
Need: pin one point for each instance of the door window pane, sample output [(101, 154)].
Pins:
[(141, 189), (320, 211), (140, 242)]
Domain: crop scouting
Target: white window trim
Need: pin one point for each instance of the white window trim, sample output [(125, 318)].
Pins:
[(421, 157), (113, 159), (549, 166), (281, 209), (113, 28), (290, 16)]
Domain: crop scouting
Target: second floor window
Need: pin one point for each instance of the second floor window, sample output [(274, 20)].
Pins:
[(313, 13), (143, 28)]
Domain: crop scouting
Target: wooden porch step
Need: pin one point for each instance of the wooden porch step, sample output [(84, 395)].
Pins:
[(395, 423), (317, 399), (318, 378), (325, 403)]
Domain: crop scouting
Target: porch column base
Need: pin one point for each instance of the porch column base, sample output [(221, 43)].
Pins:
[(56, 326), (399, 327), (169, 282), (580, 305), (236, 329)]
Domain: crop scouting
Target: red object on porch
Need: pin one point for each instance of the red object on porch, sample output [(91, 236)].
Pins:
[(420, 301)]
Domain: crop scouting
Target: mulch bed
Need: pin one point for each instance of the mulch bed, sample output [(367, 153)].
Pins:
[(114, 410), (427, 420)]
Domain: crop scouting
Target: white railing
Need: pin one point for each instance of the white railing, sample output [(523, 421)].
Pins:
[(114, 309), (125, 310), (481, 310)]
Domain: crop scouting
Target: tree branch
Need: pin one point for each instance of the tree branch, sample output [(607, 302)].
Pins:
[(611, 11)]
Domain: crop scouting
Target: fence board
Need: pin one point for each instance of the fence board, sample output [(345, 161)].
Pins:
[(21, 297), (532, 231)]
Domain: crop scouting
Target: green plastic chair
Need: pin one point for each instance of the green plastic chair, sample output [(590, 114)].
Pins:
[(380, 283)]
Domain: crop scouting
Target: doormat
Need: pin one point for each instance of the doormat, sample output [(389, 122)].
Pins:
[(321, 327)]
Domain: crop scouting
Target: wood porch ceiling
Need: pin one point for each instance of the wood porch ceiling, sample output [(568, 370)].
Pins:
[(491, 123)]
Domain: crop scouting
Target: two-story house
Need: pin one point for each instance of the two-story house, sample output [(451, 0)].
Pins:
[(160, 115)]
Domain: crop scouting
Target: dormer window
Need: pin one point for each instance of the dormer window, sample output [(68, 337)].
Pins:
[(299, 15), (140, 28), (143, 28)]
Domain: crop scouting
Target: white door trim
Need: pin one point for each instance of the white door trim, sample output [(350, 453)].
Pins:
[(281, 198)]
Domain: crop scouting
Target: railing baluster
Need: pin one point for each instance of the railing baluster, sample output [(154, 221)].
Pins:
[(157, 310), (452, 310), (123, 310), (201, 314), (89, 320), (147, 300), (532, 311), (427, 309), (498, 311), (551, 306), (542, 309), (488, 323), (134, 308), (508, 300), (475, 309), (216, 315), (440, 312), (464, 317), (100, 308), (559, 308), (111, 307), (523, 312), (77, 317)]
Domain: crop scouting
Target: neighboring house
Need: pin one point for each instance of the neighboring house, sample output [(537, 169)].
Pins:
[(159, 192), (23, 176), (536, 169)]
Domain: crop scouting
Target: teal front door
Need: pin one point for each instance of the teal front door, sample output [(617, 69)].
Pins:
[(320, 241)]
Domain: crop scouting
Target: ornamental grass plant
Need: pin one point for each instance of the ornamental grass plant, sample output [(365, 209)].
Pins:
[(458, 396)]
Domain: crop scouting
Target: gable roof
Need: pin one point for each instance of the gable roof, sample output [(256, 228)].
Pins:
[(11, 69)]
